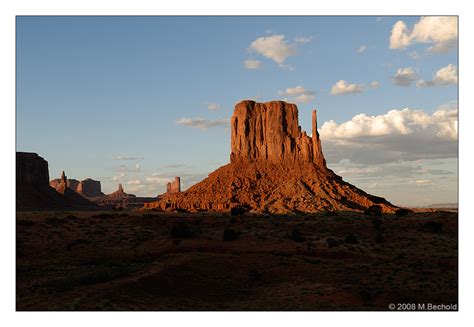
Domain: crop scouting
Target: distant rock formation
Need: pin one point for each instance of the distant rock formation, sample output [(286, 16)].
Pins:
[(88, 187), (120, 193), (33, 191), (120, 199), (31, 170), (174, 186), (275, 167)]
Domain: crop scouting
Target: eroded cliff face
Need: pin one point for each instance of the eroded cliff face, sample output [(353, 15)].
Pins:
[(31, 169), (174, 186), (275, 167), (33, 190), (89, 188), (270, 132)]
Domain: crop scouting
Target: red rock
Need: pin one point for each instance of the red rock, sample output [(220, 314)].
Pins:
[(174, 186), (120, 193), (275, 167)]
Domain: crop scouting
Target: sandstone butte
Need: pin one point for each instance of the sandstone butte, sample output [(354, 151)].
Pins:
[(120, 193), (275, 167), (34, 192)]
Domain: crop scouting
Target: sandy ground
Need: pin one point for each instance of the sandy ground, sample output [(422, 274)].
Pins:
[(180, 261)]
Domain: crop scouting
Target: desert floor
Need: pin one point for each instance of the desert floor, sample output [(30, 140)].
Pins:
[(127, 260)]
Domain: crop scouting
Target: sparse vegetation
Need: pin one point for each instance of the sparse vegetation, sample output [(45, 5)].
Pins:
[(181, 230), (374, 210), (166, 261), (433, 226), (402, 212), (296, 235), (238, 211), (332, 242), (351, 239), (229, 235)]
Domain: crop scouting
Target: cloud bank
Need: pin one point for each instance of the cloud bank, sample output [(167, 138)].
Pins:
[(439, 31), (445, 76), (399, 135)]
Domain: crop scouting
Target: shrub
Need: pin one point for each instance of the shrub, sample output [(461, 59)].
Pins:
[(402, 212), (373, 210), (255, 274), (332, 242), (22, 222), (377, 223), (237, 211), (379, 237), (331, 213), (229, 235), (351, 239), (433, 226), (296, 235), (181, 230)]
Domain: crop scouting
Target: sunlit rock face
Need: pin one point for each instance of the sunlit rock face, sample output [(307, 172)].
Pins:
[(274, 167)]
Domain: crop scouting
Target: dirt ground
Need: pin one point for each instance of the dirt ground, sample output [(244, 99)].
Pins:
[(206, 261)]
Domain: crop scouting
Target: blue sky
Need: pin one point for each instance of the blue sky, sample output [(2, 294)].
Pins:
[(118, 98)]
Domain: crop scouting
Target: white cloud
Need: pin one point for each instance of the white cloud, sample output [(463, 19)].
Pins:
[(303, 39), (405, 134), (253, 64), (343, 88), (421, 181), (405, 76), (299, 94), (202, 123), (126, 158), (362, 48), (374, 84), (399, 38), (276, 48), (124, 168), (445, 76), (440, 31), (212, 106)]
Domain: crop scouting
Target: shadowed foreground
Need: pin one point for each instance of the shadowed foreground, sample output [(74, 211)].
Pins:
[(182, 261)]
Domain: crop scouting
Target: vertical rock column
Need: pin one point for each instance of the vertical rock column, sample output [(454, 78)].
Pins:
[(318, 157)]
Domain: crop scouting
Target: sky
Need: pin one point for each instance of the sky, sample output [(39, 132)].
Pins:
[(139, 100)]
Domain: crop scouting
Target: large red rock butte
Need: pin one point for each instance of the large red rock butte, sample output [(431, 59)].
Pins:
[(274, 167), (33, 191)]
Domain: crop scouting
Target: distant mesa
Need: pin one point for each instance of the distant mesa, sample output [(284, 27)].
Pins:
[(88, 187), (174, 186), (33, 191), (121, 199), (274, 167)]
